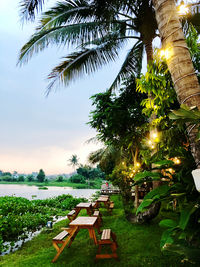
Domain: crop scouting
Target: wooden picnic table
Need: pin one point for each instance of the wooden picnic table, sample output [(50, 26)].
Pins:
[(82, 205), (89, 223), (103, 199)]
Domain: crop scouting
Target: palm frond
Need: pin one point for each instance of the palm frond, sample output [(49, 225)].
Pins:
[(66, 12), (29, 8), (85, 61), (65, 35), (132, 65)]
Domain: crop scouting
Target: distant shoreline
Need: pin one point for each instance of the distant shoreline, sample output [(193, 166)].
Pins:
[(53, 183)]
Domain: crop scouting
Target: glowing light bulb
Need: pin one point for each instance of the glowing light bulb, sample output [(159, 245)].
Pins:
[(177, 161), (150, 142), (138, 164), (154, 135), (183, 9), (166, 53)]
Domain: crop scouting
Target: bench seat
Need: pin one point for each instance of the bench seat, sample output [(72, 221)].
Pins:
[(108, 238), (61, 236)]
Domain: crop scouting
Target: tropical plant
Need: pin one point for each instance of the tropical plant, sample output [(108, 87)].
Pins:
[(74, 161), (97, 30), (179, 61)]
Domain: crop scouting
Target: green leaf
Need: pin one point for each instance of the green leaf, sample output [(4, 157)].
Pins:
[(144, 204), (145, 174), (168, 223), (164, 162), (166, 238), (161, 191), (185, 216)]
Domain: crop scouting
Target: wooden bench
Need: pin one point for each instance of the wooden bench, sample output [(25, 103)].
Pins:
[(94, 205), (111, 206), (108, 238), (72, 215), (99, 216), (67, 234)]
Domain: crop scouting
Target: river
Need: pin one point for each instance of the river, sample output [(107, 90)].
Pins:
[(32, 192)]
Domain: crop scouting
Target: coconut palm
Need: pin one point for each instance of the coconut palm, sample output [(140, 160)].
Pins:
[(179, 62), (97, 39), (74, 161)]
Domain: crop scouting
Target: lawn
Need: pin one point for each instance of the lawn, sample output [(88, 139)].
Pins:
[(138, 246)]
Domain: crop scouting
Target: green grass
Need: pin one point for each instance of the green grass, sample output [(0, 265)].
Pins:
[(138, 246)]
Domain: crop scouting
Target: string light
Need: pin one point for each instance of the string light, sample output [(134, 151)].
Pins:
[(177, 161), (167, 53), (183, 9), (138, 164)]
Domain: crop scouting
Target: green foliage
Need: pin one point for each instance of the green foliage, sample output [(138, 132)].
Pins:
[(77, 178), (59, 179), (96, 32), (157, 84), (90, 173), (140, 245), (41, 176), (30, 178), (6, 178), (186, 115), (19, 215), (21, 178)]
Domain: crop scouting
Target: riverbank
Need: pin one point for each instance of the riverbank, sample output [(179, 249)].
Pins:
[(139, 245), (65, 183)]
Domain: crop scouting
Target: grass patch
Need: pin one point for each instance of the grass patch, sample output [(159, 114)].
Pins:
[(138, 246)]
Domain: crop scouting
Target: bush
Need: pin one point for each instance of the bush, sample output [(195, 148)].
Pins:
[(7, 178), (19, 215), (77, 178), (21, 178), (59, 179), (30, 178)]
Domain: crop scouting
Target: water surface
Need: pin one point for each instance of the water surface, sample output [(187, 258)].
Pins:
[(32, 192)]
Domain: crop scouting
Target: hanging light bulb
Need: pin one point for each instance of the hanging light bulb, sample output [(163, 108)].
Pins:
[(183, 9)]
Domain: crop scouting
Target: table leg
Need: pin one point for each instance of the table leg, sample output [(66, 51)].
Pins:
[(93, 235)]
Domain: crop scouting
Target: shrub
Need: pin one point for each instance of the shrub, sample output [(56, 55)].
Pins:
[(77, 178)]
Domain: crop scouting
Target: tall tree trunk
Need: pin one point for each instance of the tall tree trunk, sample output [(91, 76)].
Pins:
[(179, 62)]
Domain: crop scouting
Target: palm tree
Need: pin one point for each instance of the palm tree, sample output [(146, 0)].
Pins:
[(97, 32), (179, 63), (74, 161)]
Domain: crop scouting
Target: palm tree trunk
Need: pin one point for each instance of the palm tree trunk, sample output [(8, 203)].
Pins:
[(148, 50), (179, 62)]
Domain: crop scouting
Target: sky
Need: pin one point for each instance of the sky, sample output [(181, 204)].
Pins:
[(38, 131)]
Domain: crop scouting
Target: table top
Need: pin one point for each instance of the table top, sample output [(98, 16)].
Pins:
[(84, 205), (106, 196), (84, 221), (103, 199)]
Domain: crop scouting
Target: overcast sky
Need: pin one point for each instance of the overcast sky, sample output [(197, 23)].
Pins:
[(36, 131)]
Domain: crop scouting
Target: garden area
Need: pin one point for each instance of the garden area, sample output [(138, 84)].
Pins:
[(148, 125), (139, 245)]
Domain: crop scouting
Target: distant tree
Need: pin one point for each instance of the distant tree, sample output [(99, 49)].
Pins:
[(84, 170), (77, 178), (30, 178), (6, 174), (59, 179), (41, 176), (1, 172), (73, 161), (21, 178)]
